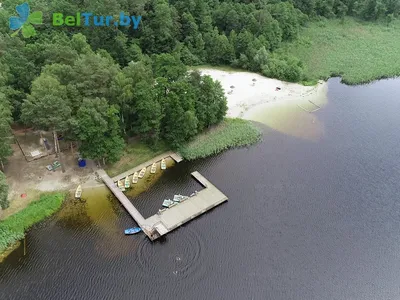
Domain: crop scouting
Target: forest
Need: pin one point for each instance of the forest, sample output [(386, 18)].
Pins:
[(100, 85)]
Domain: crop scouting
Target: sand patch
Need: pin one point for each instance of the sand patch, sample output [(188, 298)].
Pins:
[(286, 107)]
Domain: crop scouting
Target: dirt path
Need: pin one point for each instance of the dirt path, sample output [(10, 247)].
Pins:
[(33, 178)]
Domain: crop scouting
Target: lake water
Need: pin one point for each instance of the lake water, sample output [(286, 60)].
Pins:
[(307, 218)]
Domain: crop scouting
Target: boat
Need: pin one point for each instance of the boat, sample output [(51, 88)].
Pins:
[(127, 182), (180, 198), (168, 203), (135, 177), (163, 164), (153, 168), (142, 172), (133, 230), (121, 185), (78, 192)]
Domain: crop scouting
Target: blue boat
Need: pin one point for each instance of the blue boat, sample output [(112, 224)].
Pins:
[(133, 230)]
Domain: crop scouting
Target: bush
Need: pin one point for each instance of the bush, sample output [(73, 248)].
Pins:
[(13, 228), (285, 68)]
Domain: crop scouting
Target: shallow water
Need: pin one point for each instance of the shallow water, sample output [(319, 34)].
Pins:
[(306, 219), (289, 116)]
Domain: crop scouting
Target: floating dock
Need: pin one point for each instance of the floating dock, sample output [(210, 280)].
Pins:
[(175, 156), (171, 218)]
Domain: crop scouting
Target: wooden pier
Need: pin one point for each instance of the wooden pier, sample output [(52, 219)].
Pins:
[(171, 218), (175, 156), (121, 197)]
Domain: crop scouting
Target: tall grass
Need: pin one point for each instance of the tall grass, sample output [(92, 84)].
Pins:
[(358, 52), (13, 228), (228, 134)]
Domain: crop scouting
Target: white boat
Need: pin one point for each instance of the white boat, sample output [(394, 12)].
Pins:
[(180, 198), (121, 185), (78, 192), (163, 164), (153, 168), (135, 177), (127, 182), (167, 202), (142, 172)]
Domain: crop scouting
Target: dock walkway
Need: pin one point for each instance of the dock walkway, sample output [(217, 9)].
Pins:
[(175, 156), (122, 198), (168, 220)]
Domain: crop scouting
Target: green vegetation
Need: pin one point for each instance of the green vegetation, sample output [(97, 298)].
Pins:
[(14, 227), (101, 86), (356, 51), (135, 154), (228, 134), (3, 191), (91, 99), (5, 129)]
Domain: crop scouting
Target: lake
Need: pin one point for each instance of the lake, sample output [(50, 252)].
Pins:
[(307, 218)]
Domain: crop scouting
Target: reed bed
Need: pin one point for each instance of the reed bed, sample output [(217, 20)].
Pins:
[(230, 133), (358, 52), (14, 227)]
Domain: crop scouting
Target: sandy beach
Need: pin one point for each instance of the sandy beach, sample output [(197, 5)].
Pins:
[(246, 91)]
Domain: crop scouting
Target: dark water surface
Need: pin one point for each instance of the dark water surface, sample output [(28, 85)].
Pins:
[(304, 220)]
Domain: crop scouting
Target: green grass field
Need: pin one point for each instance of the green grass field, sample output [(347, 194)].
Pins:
[(359, 52), (228, 134), (13, 228), (135, 154)]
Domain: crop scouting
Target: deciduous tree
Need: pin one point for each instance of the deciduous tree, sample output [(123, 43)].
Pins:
[(96, 126), (5, 130), (47, 107)]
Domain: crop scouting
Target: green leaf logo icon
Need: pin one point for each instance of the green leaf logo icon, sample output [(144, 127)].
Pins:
[(25, 21)]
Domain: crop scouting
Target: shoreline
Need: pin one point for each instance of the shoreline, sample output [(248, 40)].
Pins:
[(248, 97), (250, 92), (246, 92), (14, 227)]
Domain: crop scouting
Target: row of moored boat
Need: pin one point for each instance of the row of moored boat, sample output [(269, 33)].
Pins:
[(177, 199), (125, 184), (167, 203)]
